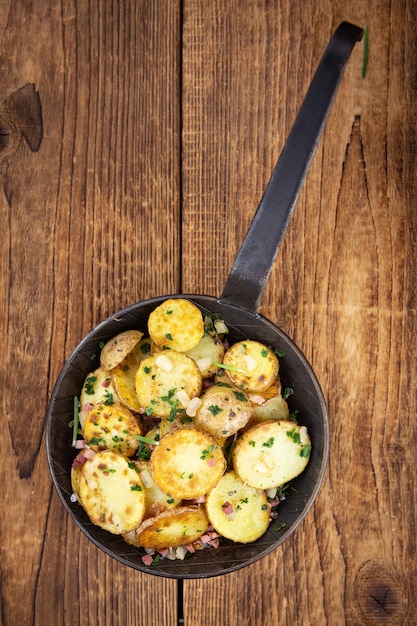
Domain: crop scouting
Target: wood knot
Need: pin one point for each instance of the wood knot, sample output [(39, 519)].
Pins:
[(382, 596), (20, 117)]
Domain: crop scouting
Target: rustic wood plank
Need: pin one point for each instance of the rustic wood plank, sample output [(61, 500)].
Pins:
[(87, 219), (343, 286)]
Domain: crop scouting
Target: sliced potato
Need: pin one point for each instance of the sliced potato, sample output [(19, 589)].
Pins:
[(123, 376), (209, 350), (187, 463), (161, 376), (156, 499), (275, 408), (237, 511), (254, 367), (112, 428), (176, 527), (117, 348), (97, 387), (271, 453), (176, 324), (112, 492), (224, 410)]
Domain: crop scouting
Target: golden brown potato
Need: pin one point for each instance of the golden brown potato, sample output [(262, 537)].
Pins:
[(117, 348), (97, 387), (237, 511), (271, 453), (251, 365), (176, 527), (123, 376), (112, 492), (187, 463), (275, 408), (176, 324), (224, 411), (112, 428), (161, 377)]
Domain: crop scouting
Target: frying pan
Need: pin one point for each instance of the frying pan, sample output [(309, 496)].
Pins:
[(238, 307)]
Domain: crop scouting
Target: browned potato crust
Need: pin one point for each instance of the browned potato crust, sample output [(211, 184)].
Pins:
[(112, 492), (176, 527), (253, 366), (112, 427), (187, 463), (123, 376), (176, 324)]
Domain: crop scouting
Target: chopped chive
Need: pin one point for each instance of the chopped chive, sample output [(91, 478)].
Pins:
[(228, 367), (76, 421), (151, 442)]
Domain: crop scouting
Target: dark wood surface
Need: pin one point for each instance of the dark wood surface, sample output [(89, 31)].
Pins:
[(161, 123)]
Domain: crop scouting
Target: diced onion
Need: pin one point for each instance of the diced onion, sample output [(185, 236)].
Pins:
[(183, 397), (250, 362), (193, 406), (303, 435), (271, 493), (146, 478), (220, 327), (181, 551), (164, 363), (204, 363)]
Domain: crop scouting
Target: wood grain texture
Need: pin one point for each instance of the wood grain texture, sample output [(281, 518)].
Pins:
[(89, 218), (343, 287), (162, 121)]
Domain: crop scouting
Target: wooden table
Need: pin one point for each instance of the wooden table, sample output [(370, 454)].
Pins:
[(162, 121)]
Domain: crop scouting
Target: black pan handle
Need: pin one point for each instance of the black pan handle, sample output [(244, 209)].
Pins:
[(246, 281)]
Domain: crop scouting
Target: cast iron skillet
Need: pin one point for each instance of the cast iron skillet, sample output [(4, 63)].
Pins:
[(237, 306)]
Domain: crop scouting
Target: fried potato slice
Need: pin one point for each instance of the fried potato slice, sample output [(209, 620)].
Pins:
[(187, 463), (173, 528), (224, 411), (275, 408), (123, 375), (176, 324), (112, 427), (209, 350), (161, 376), (271, 453), (97, 387), (237, 511), (117, 348), (157, 500), (254, 367), (112, 492)]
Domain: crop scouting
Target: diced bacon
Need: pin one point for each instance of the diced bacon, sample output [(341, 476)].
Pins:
[(257, 399), (205, 538), (227, 508), (87, 407), (214, 542), (147, 559), (106, 383), (88, 452), (211, 462), (163, 551), (190, 547), (79, 444)]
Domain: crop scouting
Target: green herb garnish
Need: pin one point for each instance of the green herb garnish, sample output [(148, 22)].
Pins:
[(76, 420)]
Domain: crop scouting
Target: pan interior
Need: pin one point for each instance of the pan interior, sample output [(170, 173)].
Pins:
[(295, 372)]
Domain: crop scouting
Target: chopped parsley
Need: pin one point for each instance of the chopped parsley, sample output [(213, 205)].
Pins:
[(269, 443), (89, 385), (205, 453), (135, 488), (214, 409)]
